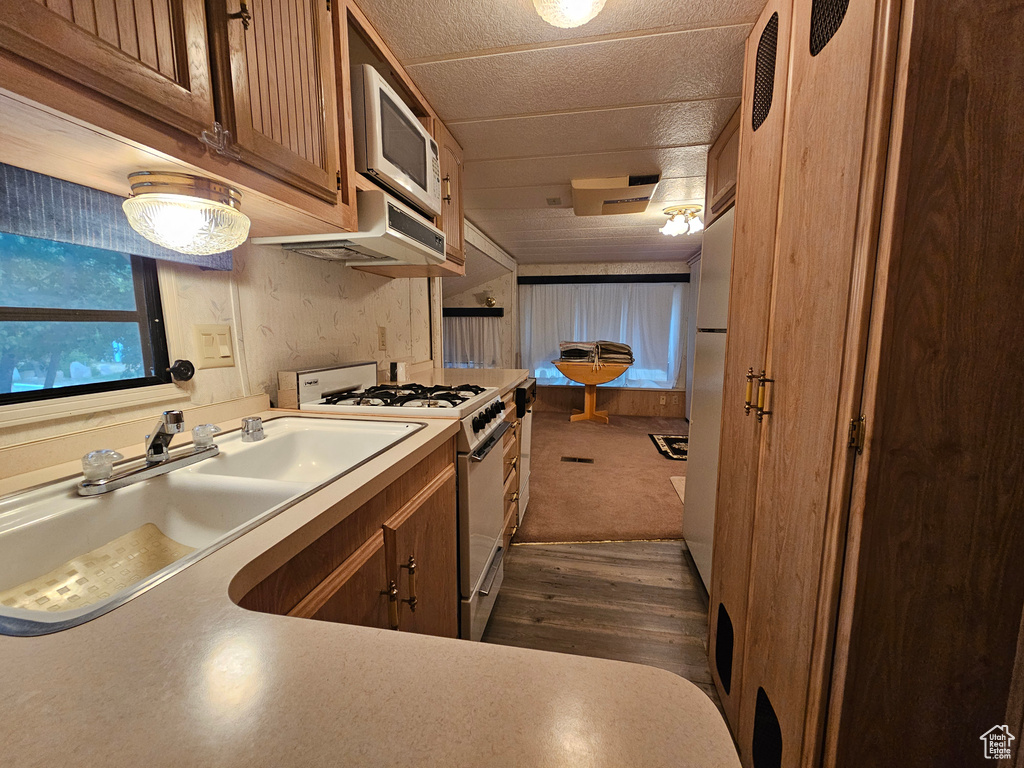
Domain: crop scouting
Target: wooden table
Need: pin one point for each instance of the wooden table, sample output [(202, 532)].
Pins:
[(590, 375)]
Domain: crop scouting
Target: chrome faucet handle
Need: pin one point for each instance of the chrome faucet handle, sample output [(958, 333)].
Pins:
[(252, 429), (99, 465)]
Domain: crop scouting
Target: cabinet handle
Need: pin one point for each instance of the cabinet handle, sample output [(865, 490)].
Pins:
[(515, 496), (512, 463), (392, 593), (750, 391), (762, 385), (242, 15), (411, 567), (448, 189)]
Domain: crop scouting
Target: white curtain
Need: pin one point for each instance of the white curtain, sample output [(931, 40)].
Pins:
[(647, 316), (471, 342)]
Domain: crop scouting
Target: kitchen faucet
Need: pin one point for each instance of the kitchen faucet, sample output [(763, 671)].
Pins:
[(171, 423), (98, 466)]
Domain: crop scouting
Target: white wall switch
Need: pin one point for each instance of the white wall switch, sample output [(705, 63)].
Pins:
[(214, 346)]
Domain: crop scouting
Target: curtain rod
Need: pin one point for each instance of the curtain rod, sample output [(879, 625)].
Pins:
[(679, 277)]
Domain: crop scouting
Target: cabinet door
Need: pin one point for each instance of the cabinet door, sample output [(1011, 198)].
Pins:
[(150, 55), (424, 533), (761, 127), (451, 220), (723, 162), (283, 92), (837, 111), (356, 593)]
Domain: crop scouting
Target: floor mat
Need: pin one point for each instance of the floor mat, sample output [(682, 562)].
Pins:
[(671, 446)]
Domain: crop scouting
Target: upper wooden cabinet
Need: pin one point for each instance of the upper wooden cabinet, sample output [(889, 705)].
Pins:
[(150, 55), (723, 162), (280, 100), (451, 220)]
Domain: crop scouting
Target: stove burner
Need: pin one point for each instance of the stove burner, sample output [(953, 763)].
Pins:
[(409, 395)]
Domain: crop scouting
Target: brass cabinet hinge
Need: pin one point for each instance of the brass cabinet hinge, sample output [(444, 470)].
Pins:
[(339, 181), (858, 428)]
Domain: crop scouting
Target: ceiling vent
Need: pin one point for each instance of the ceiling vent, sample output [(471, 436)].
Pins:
[(621, 194)]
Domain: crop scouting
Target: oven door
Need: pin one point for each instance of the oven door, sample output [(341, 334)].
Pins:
[(481, 513)]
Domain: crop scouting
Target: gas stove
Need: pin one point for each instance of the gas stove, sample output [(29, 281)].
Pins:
[(352, 389)]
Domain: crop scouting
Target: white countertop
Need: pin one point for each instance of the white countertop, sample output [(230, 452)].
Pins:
[(182, 676)]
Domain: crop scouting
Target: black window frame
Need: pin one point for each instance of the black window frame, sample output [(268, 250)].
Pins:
[(149, 316)]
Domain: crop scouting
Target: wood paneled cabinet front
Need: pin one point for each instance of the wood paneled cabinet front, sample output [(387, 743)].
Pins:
[(150, 55), (451, 220), (277, 72), (392, 563)]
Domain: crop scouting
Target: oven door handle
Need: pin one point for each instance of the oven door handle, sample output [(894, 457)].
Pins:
[(481, 453), (492, 572)]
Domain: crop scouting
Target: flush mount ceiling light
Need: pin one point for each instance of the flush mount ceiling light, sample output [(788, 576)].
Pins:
[(683, 220), (184, 213), (568, 13)]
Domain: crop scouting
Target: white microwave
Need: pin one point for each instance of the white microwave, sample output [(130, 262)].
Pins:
[(391, 145)]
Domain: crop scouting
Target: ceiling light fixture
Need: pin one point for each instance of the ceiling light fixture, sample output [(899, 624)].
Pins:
[(683, 220), (568, 13), (188, 214)]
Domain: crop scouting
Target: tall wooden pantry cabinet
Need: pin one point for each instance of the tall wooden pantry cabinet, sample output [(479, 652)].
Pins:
[(867, 583)]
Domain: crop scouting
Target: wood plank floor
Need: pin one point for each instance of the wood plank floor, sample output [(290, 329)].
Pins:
[(636, 601)]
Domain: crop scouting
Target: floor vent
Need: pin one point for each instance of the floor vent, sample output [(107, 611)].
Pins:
[(577, 459)]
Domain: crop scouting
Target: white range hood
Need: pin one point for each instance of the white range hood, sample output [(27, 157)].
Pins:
[(390, 232)]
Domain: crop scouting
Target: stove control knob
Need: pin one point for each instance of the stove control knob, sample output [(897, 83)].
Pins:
[(501, 407)]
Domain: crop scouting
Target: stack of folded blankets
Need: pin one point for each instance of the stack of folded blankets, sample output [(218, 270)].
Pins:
[(577, 351), (614, 352), (595, 352)]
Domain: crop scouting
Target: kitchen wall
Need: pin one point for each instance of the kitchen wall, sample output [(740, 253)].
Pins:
[(503, 289), (285, 311)]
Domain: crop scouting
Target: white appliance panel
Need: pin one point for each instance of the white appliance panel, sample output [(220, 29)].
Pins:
[(702, 456), (715, 265), (481, 516), (525, 443)]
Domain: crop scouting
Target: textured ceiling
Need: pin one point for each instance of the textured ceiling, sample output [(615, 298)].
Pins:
[(643, 88)]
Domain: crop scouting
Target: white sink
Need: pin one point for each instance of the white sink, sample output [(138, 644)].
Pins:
[(305, 450), (198, 508)]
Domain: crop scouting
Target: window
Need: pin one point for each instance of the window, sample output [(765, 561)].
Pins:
[(647, 316), (76, 320)]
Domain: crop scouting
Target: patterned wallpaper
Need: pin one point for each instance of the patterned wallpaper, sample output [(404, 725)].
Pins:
[(286, 310)]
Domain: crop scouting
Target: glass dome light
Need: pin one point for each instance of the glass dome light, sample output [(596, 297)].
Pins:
[(683, 220), (187, 214), (568, 13)]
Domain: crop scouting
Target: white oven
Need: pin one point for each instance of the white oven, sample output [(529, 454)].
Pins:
[(481, 520), (391, 145)]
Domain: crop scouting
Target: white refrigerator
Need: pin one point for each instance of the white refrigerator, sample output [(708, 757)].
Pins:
[(706, 393)]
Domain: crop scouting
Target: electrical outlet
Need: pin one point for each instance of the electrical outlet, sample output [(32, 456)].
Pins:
[(382, 338), (662, 399), (675, 399)]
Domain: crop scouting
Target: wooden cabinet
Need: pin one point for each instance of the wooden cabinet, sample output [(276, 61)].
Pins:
[(141, 84), (423, 558), (150, 55), (392, 563), (757, 198), (280, 100), (451, 221), (723, 161), (867, 533)]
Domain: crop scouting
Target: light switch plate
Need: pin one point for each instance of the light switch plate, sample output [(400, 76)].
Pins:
[(214, 346)]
